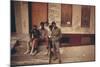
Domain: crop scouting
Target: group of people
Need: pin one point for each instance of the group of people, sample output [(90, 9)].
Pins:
[(48, 33)]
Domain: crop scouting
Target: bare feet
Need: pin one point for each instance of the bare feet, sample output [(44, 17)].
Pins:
[(46, 53), (33, 53), (26, 52)]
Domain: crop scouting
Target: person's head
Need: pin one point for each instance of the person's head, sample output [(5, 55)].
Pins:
[(53, 24), (46, 23), (42, 24), (34, 27), (50, 27)]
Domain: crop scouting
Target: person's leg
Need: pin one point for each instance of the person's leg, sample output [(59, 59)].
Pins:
[(33, 46), (49, 46), (36, 46), (46, 42), (58, 51), (46, 45), (50, 51), (54, 49), (28, 47)]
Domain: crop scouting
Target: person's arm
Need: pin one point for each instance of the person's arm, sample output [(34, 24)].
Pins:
[(60, 35), (46, 33), (39, 34), (32, 36), (59, 31)]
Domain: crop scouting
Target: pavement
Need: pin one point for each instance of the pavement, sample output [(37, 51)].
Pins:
[(69, 54)]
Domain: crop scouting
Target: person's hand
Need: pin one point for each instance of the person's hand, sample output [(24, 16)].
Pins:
[(49, 36)]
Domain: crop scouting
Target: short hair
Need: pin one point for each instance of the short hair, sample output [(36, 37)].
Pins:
[(50, 27), (35, 26), (42, 23), (53, 22), (47, 22)]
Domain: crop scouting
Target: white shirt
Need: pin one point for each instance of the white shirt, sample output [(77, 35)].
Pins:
[(49, 32)]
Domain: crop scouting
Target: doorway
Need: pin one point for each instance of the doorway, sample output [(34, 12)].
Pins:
[(39, 13)]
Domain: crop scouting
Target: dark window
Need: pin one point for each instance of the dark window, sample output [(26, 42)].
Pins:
[(85, 18), (66, 15)]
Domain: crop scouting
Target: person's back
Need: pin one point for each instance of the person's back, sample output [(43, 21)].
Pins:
[(35, 33)]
